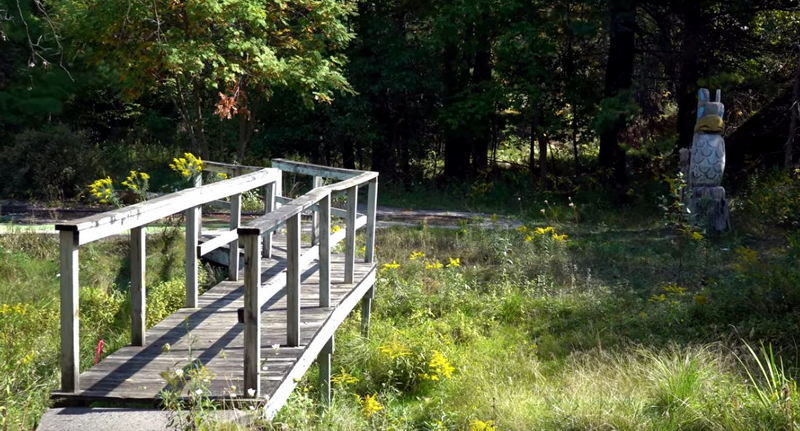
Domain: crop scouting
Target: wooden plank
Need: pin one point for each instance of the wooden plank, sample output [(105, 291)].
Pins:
[(293, 280), (138, 277), (219, 240), (233, 252), (70, 337), (372, 211), (338, 212), (350, 238), (117, 221), (325, 252), (252, 315), (192, 225), (337, 316)]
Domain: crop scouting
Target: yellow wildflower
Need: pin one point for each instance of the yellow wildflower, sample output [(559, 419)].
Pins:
[(544, 230), (370, 405), (559, 237), (416, 255), (697, 236), (674, 288), (394, 350), (344, 378), (438, 367), (434, 265), (522, 229), (479, 425), (188, 166), (453, 262), (335, 228), (529, 238), (393, 265), (658, 298)]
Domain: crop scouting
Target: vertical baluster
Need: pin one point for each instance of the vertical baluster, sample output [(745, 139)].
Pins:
[(350, 235), (138, 296), (316, 182), (372, 211), (252, 311), (235, 222), (269, 206), (192, 226), (70, 325), (325, 251), (293, 280)]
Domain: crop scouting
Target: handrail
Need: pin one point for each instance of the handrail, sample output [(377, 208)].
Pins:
[(314, 170), (74, 234), (112, 222), (289, 214)]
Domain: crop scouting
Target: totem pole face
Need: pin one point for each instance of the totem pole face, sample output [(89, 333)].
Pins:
[(707, 162)]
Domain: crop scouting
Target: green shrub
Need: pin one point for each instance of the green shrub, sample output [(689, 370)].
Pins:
[(53, 163)]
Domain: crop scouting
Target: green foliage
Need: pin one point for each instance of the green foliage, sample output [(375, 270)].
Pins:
[(50, 162)]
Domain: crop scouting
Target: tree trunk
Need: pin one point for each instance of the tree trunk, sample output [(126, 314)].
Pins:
[(794, 108), (456, 146), (619, 77), (542, 158), (481, 77), (688, 75)]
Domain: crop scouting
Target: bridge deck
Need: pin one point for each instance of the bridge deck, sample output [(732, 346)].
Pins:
[(212, 334)]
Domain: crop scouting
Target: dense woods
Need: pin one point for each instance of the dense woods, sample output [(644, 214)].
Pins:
[(412, 89)]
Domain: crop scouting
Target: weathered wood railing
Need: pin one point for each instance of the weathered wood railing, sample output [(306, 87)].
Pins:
[(75, 234), (317, 200)]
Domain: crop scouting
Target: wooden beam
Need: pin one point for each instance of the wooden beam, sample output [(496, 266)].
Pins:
[(315, 182), (324, 361), (70, 325), (138, 296), (219, 240), (312, 169), (269, 206), (119, 220), (192, 225), (252, 314), (372, 211), (311, 351), (293, 280), (325, 252), (233, 252), (350, 238), (366, 311)]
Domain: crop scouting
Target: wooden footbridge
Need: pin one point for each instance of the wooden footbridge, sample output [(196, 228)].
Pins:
[(258, 332)]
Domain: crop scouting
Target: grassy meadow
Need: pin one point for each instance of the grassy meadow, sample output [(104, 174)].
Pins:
[(585, 318)]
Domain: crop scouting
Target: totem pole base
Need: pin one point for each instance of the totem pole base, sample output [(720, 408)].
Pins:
[(709, 207)]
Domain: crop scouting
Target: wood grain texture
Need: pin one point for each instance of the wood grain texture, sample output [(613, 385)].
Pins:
[(138, 277), (212, 335)]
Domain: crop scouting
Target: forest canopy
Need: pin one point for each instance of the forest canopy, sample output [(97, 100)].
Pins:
[(409, 88)]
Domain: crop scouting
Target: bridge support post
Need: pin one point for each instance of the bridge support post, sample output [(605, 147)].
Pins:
[(325, 251), (366, 310), (293, 280), (70, 326), (233, 252), (252, 313), (372, 211), (138, 296), (350, 235), (324, 361), (192, 229)]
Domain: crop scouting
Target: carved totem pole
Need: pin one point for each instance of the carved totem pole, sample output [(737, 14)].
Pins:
[(705, 197)]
